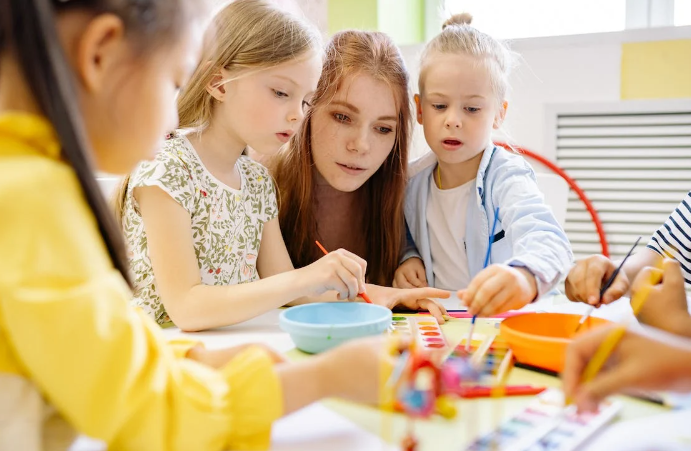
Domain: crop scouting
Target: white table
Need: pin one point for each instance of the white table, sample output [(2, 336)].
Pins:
[(318, 428), (264, 328)]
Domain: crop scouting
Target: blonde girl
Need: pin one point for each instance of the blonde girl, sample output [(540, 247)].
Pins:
[(457, 192), (201, 220)]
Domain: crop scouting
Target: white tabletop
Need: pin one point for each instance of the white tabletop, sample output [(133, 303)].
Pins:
[(264, 328), (318, 427)]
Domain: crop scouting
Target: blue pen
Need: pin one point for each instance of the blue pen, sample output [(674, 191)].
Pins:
[(487, 257)]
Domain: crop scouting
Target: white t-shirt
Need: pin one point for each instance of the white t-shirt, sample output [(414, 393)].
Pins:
[(446, 218)]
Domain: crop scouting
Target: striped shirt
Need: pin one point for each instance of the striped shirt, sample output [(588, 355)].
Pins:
[(673, 238)]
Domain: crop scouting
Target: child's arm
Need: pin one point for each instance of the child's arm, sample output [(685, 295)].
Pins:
[(540, 244), (193, 305), (541, 251), (113, 376), (273, 255), (326, 375), (274, 259)]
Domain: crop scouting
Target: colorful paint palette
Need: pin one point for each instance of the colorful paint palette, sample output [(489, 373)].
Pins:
[(424, 330), (546, 425), (492, 351)]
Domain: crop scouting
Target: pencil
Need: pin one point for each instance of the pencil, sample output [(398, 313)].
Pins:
[(509, 390), (610, 342), (600, 357), (640, 296), (363, 294), (602, 354)]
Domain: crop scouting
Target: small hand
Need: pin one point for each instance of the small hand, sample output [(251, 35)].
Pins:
[(647, 360), (588, 276), (356, 369), (497, 289), (666, 306), (340, 270), (411, 274)]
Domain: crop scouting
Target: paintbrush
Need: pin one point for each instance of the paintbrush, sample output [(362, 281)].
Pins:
[(363, 295), (607, 285), (487, 257)]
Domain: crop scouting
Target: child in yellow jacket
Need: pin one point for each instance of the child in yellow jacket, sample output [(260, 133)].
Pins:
[(85, 82)]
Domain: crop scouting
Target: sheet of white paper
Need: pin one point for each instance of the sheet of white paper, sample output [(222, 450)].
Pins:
[(318, 428), (663, 432), (452, 303)]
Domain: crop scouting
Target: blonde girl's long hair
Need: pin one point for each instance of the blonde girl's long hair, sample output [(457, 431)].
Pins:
[(246, 36)]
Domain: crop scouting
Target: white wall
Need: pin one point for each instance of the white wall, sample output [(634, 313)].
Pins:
[(561, 69), (316, 11)]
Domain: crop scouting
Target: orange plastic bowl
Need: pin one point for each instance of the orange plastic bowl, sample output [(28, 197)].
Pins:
[(540, 339)]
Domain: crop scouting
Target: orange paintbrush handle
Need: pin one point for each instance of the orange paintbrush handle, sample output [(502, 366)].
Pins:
[(363, 295), (322, 247)]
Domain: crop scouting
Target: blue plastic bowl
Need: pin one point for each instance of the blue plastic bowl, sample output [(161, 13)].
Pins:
[(317, 327)]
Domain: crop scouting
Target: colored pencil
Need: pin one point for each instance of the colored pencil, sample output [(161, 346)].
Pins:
[(603, 352), (363, 294), (612, 339), (509, 390)]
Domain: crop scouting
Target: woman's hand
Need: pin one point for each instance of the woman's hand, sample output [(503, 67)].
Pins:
[(412, 299)]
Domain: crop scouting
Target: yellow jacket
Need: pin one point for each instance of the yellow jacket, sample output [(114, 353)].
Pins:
[(74, 356)]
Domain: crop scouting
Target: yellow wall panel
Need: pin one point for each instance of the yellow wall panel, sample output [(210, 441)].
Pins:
[(656, 70)]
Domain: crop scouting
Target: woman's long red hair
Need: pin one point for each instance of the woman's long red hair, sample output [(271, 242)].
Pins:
[(381, 197)]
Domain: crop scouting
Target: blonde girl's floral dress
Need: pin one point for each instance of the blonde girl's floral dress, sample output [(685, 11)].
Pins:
[(227, 223)]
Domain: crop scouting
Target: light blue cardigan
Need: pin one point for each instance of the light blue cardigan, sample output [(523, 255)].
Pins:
[(528, 235)]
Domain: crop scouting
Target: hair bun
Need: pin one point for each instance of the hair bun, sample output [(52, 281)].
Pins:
[(458, 19)]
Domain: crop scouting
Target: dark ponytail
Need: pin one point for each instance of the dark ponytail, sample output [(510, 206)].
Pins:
[(28, 31)]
